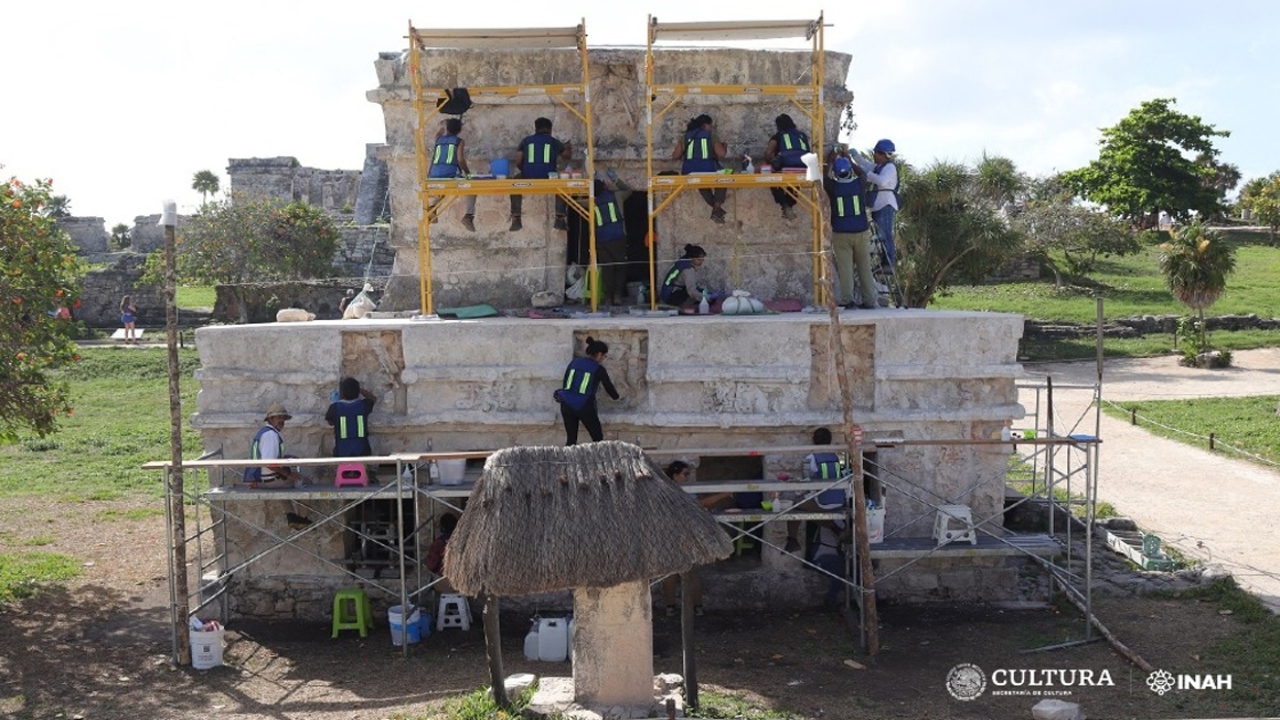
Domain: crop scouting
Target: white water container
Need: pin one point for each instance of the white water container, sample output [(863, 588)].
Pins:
[(206, 649), (531, 643), (553, 640), (452, 471)]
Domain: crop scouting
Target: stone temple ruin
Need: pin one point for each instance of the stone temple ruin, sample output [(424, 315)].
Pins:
[(719, 392)]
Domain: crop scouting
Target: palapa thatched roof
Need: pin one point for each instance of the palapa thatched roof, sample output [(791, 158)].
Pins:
[(597, 515)]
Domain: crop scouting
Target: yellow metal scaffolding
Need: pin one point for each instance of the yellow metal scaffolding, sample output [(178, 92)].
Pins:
[(576, 97), (807, 98)]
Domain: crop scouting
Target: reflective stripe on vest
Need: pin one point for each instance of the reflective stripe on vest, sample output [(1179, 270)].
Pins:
[(583, 385), (613, 214), (531, 153), (698, 149), (448, 151), (342, 427), (840, 208)]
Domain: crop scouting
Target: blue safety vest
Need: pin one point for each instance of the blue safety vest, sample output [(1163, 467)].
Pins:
[(668, 281), (444, 159), (539, 156), (580, 380), (609, 223), (848, 210), (829, 468), (254, 474), (792, 145), (351, 429), (699, 156)]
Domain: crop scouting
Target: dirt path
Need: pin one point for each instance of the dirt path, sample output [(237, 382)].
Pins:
[(1208, 506)]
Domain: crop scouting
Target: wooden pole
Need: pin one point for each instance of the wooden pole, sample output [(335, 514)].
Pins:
[(493, 650), (687, 601), (180, 608), (852, 434)]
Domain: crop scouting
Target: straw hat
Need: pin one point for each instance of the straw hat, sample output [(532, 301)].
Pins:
[(277, 410)]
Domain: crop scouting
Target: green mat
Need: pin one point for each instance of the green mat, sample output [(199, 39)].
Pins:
[(469, 312)]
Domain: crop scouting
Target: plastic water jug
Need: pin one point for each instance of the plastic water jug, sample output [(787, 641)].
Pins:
[(553, 636), (531, 643)]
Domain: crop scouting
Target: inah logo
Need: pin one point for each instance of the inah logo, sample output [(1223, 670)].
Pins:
[(966, 682), (1160, 681)]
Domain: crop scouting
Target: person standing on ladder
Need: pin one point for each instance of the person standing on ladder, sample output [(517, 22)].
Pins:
[(883, 174)]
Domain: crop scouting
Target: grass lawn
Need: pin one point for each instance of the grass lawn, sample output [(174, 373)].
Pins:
[(1246, 423), (1129, 286), (195, 297)]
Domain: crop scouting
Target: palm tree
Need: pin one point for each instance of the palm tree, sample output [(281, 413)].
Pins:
[(59, 207), (120, 236), (205, 183), (1196, 263)]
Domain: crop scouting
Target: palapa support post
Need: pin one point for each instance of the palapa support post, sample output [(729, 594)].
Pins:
[(179, 608), (493, 650), (687, 601), (852, 439)]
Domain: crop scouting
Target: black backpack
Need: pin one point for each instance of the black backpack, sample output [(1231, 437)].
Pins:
[(455, 101)]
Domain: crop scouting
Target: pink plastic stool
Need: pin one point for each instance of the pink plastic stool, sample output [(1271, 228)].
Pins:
[(351, 474)]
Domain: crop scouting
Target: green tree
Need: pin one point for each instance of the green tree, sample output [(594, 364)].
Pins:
[(1196, 263), (252, 239), (206, 183), (953, 225), (1155, 159), (58, 207), (1261, 196), (1066, 236), (121, 236), (39, 274)]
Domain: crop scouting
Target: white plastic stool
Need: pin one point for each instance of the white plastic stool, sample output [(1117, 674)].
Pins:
[(453, 612), (945, 532)]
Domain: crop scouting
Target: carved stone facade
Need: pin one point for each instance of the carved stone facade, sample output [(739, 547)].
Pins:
[(748, 382), (286, 178), (756, 250)]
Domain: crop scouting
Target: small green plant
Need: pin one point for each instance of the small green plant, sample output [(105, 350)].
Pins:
[(1192, 340), (479, 705), (31, 444), (25, 574)]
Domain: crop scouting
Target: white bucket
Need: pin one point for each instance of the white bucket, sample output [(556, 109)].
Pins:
[(395, 617), (553, 640), (206, 649), (452, 471)]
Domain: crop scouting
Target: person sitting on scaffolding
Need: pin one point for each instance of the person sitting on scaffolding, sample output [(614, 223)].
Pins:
[(349, 417), (538, 154), (449, 160), (819, 466), (268, 444), (701, 150), (784, 150)]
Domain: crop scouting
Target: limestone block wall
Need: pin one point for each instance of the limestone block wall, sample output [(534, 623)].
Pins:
[(88, 233), (286, 178), (756, 249), (688, 383), (103, 288)]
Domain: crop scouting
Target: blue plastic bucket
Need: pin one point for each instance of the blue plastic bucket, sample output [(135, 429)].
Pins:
[(500, 166)]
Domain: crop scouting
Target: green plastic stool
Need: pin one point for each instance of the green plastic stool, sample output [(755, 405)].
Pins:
[(351, 611)]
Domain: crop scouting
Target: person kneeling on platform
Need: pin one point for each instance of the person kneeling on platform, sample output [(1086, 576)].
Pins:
[(680, 284), (268, 444)]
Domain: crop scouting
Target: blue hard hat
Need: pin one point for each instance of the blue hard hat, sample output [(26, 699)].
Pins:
[(842, 168), (885, 146)]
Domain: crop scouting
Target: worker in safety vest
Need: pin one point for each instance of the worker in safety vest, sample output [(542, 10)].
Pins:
[(611, 237), (577, 393), (883, 174), (268, 444), (349, 416), (449, 161), (784, 150), (536, 160), (700, 151), (851, 231)]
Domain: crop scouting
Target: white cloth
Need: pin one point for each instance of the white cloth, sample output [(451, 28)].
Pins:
[(886, 181)]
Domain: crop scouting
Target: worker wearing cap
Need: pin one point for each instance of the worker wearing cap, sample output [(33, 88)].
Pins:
[(851, 230), (268, 444), (883, 173)]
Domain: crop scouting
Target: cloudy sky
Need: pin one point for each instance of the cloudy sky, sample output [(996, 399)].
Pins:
[(121, 103)]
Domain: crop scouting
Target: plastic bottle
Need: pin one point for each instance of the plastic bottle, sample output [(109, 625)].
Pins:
[(642, 294), (704, 307), (407, 475), (747, 167)]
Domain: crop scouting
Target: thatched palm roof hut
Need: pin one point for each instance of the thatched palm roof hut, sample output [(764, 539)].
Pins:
[(602, 519), (598, 515)]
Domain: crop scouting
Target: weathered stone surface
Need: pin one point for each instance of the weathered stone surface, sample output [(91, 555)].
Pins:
[(757, 250), (103, 289), (1054, 709), (87, 233)]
